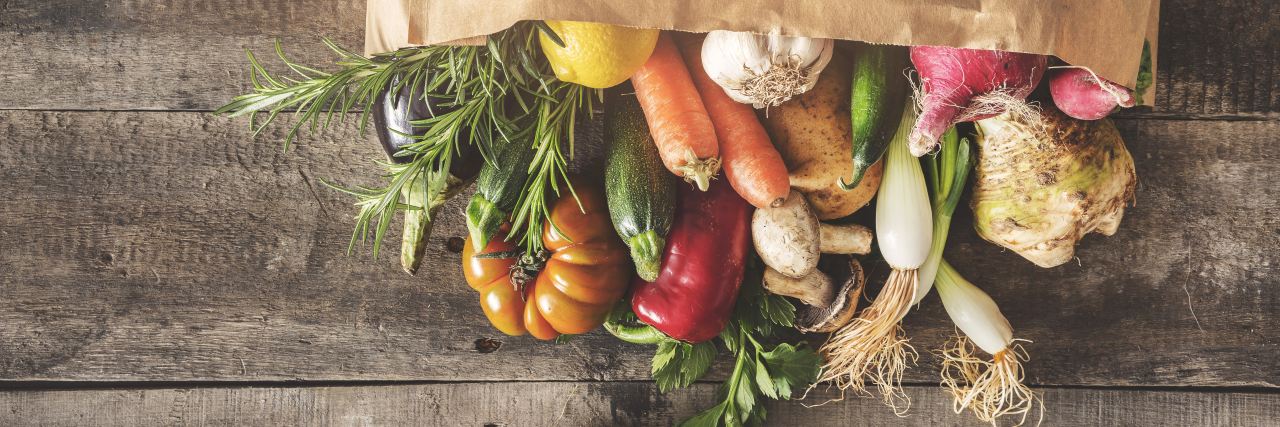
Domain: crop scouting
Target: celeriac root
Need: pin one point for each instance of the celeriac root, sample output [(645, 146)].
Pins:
[(874, 347), (991, 389)]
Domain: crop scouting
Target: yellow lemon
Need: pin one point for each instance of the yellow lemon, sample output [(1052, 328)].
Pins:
[(597, 55)]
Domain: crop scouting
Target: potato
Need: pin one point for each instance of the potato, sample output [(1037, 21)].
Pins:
[(813, 133)]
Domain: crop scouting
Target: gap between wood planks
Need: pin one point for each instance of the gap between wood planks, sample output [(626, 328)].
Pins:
[(165, 385)]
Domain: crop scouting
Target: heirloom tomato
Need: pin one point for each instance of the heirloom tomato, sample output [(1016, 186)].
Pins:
[(587, 270)]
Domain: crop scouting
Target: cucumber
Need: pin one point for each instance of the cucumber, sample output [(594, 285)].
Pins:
[(640, 190), (499, 188), (880, 91)]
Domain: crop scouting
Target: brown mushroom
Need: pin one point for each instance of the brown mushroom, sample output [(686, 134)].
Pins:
[(790, 239), (813, 289), (846, 274)]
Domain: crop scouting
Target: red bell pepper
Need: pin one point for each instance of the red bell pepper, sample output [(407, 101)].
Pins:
[(702, 266)]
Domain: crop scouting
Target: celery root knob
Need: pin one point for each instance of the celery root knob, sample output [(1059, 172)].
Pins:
[(1044, 182)]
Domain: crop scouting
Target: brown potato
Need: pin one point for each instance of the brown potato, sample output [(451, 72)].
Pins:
[(813, 133)]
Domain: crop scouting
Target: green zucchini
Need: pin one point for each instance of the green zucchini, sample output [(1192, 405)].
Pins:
[(880, 91), (499, 188), (640, 191)]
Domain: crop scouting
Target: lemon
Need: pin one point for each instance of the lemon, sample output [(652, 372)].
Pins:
[(597, 55)]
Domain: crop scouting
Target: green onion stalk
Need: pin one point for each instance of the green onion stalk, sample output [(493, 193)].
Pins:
[(873, 348), (990, 388)]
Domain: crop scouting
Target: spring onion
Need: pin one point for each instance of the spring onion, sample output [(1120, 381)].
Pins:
[(992, 388), (946, 172), (874, 347)]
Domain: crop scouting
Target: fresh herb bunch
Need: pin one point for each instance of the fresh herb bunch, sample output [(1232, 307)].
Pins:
[(759, 368), (484, 83)]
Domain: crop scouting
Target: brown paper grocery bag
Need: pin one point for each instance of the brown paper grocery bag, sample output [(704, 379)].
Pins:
[(1104, 35)]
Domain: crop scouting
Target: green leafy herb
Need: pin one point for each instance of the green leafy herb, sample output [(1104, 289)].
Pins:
[(759, 366), (484, 82), (677, 364), (1145, 77)]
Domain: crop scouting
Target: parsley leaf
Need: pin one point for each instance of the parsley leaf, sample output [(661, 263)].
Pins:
[(791, 367), (759, 368), (677, 364)]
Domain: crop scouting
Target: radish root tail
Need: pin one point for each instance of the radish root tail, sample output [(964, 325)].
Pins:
[(874, 347), (993, 103), (991, 389)]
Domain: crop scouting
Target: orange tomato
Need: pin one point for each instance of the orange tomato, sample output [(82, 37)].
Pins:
[(588, 271)]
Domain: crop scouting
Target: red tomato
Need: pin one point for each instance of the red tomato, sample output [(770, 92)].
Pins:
[(588, 271)]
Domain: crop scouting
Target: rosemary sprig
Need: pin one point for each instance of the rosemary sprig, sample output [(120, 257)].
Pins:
[(483, 82), (555, 125)]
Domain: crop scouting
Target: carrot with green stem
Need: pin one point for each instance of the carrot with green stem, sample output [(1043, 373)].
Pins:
[(751, 163), (678, 120)]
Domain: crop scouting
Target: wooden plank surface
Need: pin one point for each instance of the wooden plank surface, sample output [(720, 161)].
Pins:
[(148, 246), (1218, 59), (143, 240), (588, 404)]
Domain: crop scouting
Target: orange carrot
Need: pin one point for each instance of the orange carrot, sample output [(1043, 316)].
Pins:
[(677, 118), (752, 165)]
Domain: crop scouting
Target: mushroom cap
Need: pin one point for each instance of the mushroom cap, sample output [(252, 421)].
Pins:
[(846, 274), (787, 237)]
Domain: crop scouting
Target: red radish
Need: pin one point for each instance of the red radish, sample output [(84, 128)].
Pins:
[(702, 266), (1076, 92), (963, 85)]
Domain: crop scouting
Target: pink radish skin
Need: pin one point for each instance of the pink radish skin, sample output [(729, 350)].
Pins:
[(953, 77), (1076, 92)]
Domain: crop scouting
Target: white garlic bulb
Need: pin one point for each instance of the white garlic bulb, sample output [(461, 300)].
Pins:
[(764, 70)]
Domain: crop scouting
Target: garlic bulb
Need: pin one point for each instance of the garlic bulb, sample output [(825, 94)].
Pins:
[(764, 70)]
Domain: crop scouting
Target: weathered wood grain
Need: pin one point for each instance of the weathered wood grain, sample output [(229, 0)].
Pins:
[(146, 246), (1217, 57), (159, 54), (588, 404)]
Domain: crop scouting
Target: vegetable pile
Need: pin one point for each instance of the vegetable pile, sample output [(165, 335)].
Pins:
[(807, 131)]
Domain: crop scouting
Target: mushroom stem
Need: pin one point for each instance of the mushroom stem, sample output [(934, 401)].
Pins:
[(813, 289), (844, 239)]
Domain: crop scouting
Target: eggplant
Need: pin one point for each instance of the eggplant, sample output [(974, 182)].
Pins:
[(393, 114)]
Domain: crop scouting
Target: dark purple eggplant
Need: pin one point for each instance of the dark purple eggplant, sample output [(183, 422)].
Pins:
[(394, 113)]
